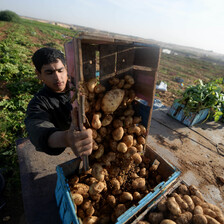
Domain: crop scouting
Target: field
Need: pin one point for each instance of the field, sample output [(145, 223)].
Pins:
[(18, 83)]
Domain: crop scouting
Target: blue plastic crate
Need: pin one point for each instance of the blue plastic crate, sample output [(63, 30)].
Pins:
[(177, 111), (64, 200)]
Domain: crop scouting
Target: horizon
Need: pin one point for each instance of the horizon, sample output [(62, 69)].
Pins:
[(194, 24)]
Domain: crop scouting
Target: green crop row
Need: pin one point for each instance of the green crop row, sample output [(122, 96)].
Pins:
[(20, 83)]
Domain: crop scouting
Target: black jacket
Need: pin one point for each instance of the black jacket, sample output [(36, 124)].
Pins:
[(47, 112)]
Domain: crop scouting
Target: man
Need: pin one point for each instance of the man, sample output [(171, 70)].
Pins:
[(49, 123)]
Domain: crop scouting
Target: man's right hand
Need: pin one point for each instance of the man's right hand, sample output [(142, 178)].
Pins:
[(80, 141)]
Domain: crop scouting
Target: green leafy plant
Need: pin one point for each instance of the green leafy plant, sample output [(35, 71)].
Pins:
[(204, 96)]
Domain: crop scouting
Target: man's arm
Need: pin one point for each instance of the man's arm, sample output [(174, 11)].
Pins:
[(79, 141)]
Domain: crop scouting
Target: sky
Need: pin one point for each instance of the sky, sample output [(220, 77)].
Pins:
[(193, 23)]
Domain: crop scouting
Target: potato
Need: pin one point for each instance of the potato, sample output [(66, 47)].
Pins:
[(108, 158), (220, 218), (96, 188), (128, 121), (98, 104), (77, 198), (112, 100), (118, 123), (198, 210), (118, 134), (81, 213), (113, 145), (120, 84), (98, 172), (182, 189), (96, 198), (91, 84), (86, 204), (137, 158), (114, 81), (184, 218), (194, 191), (128, 140), (80, 188), (99, 88), (137, 120), (167, 221), (129, 112), (155, 217), (99, 152), (115, 184), (209, 212), (199, 219), (126, 196), (134, 130), (90, 211), (137, 196), (119, 210), (139, 147), (98, 139), (196, 200), (111, 200), (90, 220), (96, 123), (141, 140), (211, 220), (143, 129), (143, 222), (122, 147), (104, 219), (107, 120), (103, 132), (129, 79), (143, 172), (130, 152), (183, 205), (138, 183), (189, 201), (155, 165), (173, 207), (94, 133), (162, 205)]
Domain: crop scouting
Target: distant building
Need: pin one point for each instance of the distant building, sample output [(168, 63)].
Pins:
[(166, 51)]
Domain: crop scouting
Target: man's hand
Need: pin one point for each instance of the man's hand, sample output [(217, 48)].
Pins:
[(80, 141)]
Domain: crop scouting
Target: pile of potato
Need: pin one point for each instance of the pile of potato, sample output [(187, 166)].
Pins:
[(185, 205), (120, 174)]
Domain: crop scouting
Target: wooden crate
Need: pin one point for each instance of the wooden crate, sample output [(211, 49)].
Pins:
[(89, 56), (66, 206)]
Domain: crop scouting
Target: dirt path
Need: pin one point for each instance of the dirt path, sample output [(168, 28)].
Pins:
[(195, 156)]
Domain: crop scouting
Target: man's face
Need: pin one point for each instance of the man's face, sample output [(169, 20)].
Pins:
[(54, 75)]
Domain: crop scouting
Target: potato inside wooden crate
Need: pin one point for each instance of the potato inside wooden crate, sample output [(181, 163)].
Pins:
[(181, 204)]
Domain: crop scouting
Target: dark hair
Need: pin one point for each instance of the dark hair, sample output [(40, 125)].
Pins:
[(45, 56)]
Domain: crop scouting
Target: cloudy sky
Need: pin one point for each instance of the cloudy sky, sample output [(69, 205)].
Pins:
[(194, 23)]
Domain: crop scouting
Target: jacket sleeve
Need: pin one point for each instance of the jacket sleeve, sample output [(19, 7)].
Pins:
[(39, 127)]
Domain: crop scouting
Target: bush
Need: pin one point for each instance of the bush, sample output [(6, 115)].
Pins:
[(9, 16)]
